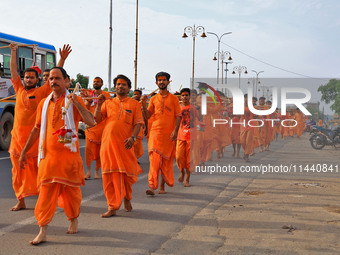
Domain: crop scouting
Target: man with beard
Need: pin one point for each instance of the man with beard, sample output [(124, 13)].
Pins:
[(60, 171), (94, 135), (28, 97), (163, 134), (120, 169)]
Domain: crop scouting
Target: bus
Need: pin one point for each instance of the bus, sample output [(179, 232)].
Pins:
[(42, 55)]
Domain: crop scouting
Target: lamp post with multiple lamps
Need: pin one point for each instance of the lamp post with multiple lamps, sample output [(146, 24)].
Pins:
[(219, 38), (226, 74), (253, 81), (193, 31), (223, 55), (239, 69), (268, 95), (257, 79)]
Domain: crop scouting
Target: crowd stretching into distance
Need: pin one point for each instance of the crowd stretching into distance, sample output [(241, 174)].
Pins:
[(45, 155)]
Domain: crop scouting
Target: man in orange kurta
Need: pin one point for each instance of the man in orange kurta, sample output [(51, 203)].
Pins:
[(183, 138), (264, 130), (247, 132), (60, 172), (94, 134), (120, 168), (163, 134), (27, 99), (298, 116)]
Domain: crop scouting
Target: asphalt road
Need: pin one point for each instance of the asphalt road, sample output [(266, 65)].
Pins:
[(183, 221)]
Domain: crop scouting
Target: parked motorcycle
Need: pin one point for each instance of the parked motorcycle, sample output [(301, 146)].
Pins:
[(322, 137)]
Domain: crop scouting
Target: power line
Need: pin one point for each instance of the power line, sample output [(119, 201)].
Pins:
[(282, 69)]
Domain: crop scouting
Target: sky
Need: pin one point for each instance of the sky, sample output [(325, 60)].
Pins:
[(299, 36)]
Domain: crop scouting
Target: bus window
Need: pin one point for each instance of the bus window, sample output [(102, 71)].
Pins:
[(50, 60), (25, 59), (38, 60), (7, 70), (2, 71)]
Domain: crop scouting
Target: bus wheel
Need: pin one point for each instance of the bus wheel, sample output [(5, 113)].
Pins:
[(6, 126)]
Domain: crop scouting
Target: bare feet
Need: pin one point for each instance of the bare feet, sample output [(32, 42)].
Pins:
[(96, 175), (186, 184), (109, 214), (19, 206), (233, 154), (88, 175), (246, 158), (73, 227), (162, 186), (41, 237), (181, 177), (150, 192), (127, 205)]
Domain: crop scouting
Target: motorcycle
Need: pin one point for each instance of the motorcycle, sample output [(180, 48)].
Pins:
[(322, 137)]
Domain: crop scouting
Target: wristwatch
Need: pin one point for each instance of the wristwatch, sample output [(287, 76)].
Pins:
[(134, 138)]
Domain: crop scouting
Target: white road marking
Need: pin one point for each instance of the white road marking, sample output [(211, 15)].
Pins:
[(5, 158), (32, 219)]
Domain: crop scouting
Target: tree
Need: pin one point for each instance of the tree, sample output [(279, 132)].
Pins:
[(83, 80), (330, 93)]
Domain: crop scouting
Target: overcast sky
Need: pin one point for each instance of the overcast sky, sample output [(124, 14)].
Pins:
[(301, 36)]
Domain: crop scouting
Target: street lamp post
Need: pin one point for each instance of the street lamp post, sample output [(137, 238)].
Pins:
[(240, 69), (219, 38), (257, 78), (253, 80), (223, 55), (193, 31), (226, 73)]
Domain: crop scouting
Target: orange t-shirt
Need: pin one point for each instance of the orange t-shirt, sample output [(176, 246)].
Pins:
[(60, 164), (24, 115), (121, 117)]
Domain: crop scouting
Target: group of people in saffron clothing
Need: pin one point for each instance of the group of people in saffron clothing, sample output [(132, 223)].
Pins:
[(248, 131), (45, 147)]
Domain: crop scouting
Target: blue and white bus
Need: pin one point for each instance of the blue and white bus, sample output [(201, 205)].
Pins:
[(42, 55)]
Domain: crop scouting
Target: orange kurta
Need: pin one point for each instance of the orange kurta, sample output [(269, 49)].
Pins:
[(236, 131), (183, 138), (25, 182), (93, 137), (247, 132), (300, 123), (165, 109), (61, 171), (119, 165)]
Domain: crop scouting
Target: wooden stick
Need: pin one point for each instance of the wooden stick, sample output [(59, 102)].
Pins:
[(20, 45), (69, 101), (5, 98), (93, 90), (90, 98), (153, 92)]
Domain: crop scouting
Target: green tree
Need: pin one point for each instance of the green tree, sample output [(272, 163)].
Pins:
[(83, 80), (330, 94)]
